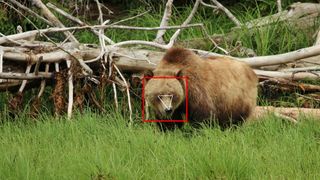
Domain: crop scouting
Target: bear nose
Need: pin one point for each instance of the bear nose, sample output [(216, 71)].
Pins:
[(168, 110)]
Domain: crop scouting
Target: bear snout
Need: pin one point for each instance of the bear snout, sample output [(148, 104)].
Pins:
[(168, 111)]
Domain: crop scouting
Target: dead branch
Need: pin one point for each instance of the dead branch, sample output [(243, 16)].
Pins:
[(100, 12), (130, 18), (164, 22), (228, 13), (209, 5), (318, 38), (77, 20), (303, 17), (308, 97), (296, 11), (25, 76), (146, 59), (293, 113), (282, 58), (1, 61), (28, 34), (43, 82), (65, 14), (24, 82), (185, 23), (288, 75), (279, 5), (276, 86), (52, 18), (70, 90), (302, 69), (29, 11), (115, 95), (172, 39), (128, 94)]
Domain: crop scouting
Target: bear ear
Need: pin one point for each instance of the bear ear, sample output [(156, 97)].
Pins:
[(148, 73), (179, 73)]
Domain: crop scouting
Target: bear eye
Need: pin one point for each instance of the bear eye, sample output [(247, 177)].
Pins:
[(175, 98), (156, 99)]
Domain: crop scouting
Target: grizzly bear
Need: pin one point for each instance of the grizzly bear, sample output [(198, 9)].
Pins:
[(220, 90)]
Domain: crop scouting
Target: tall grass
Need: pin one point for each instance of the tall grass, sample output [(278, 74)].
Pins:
[(93, 146)]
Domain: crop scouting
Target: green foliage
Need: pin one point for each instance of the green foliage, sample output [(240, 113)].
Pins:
[(92, 145), (5, 28), (87, 37)]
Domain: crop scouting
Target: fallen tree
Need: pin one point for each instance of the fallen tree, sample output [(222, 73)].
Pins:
[(24, 61), (290, 114)]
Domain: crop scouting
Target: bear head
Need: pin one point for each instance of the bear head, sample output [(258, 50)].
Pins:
[(164, 95)]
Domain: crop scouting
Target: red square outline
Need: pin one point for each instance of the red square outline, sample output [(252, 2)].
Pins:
[(165, 77)]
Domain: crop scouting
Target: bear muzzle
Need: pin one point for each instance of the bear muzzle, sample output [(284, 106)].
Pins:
[(166, 103)]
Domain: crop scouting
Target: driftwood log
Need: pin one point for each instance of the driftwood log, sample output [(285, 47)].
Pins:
[(291, 114), (26, 61)]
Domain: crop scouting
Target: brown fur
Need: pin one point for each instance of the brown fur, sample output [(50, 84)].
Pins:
[(219, 88)]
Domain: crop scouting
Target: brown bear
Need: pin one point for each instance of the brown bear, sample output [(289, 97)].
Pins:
[(219, 89)]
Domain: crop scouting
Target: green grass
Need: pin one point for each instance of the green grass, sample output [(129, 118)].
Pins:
[(93, 145)]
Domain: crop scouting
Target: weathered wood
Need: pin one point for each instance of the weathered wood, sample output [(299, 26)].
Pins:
[(296, 11), (33, 33), (288, 75), (26, 76), (52, 18), (278, 86), (129, 57), (294, 113)]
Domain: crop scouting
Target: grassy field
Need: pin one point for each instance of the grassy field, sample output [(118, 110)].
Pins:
[(93, 146)]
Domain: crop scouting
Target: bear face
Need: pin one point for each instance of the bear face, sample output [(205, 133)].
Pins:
[(164, 95)]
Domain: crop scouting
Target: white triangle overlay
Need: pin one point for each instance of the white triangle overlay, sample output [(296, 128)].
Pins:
[(167, 106)]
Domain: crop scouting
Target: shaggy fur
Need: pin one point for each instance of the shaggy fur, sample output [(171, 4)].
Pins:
[(219, 88)]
